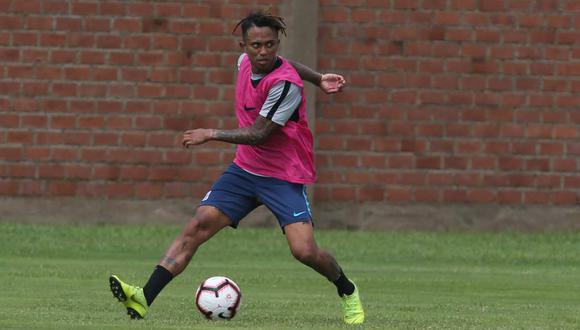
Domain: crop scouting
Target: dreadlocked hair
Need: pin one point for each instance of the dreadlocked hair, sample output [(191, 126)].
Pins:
[(261, 19)]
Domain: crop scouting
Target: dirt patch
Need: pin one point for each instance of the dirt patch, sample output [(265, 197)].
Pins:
[(369, 216)]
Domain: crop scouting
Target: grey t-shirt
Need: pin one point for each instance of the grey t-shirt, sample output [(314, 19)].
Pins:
[(285, 95)]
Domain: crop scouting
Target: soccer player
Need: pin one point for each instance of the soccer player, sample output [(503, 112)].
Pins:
[(273, 162)]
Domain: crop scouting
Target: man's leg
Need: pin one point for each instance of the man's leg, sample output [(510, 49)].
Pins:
[(300, 237), (206, 222)]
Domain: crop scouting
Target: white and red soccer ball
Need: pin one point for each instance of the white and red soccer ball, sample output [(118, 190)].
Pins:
[(218, 298)]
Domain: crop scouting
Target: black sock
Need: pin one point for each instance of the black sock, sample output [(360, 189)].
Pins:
[(156, 283), (343, 285)]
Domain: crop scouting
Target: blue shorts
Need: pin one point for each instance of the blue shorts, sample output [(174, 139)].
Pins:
[(237, 192)]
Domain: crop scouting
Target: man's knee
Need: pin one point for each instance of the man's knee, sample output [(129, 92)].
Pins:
[(307, 254), (202, 226)]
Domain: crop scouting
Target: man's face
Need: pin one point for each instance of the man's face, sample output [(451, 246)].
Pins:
[(261, 44)]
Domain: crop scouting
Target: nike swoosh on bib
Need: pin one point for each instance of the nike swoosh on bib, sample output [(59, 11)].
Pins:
[(297, 214), (248, 108)]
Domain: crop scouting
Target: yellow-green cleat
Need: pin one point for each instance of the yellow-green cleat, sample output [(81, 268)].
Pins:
[(352, 308), (131, 296)]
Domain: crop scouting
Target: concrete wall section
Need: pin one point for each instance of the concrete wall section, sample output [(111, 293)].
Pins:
[(367, 216)]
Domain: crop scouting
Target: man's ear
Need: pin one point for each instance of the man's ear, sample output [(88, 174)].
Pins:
[(242, 44)]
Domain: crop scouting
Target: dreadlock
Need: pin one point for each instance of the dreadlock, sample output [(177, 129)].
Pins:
[(261, 19)]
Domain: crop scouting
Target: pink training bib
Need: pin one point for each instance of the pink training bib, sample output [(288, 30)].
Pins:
[(287, 153)]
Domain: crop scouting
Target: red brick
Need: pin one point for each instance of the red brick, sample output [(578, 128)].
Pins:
[(134, 173), (155, 24), (123, 190), (447, 18), (39, 23), (37, 153), (459, 34), (427, 195), (49, 138), (572, 182), (106, 172), (78, 172), (84, 8), (93, 155), (481, 195), (565, 165), (81, 40), (398, 195), (566, 197), (539, 131), (105, 138), (51, 171), (63, 121), (402, 161), (538, 165), (91, 122), (73, 138), (536, 197), (549, 181), (125, 156), (21, 171), (492, 5), (138, 41), (406, 4), (371, 194), (411, 179), (9, 188), (92, 57), (150, 91), (455, 195), (148, 157), (432, 162), (357, 178), (64, 154), (53, 39), (24, 39), (334, 14), (162, 75), (20, 137), (343, 194), (164, 42), (509, 196), (363, 15), (68, 23)]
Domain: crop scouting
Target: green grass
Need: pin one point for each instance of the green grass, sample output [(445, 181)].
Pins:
[(56, 277)]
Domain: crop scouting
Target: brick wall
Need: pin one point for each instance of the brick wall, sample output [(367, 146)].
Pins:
[(449, 101)]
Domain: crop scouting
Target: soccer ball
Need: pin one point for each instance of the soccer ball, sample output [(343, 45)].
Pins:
[(218, 298)]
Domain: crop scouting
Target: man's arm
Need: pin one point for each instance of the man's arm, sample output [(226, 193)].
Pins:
[(307, 73), (330, 83), (253, 135), (282, 101)]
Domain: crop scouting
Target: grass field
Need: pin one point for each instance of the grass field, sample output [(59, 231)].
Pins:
[(56, 277)]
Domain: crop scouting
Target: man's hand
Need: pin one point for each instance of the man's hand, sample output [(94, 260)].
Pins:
[(196, 136), (332, 83)]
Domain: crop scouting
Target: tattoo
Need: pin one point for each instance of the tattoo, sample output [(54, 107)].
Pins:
[(169, 261), (239, 136), (307, 73), (256, 134)]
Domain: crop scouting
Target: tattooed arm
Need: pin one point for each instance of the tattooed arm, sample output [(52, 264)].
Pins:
[(306, 73), (253, 135), (330, 83)]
